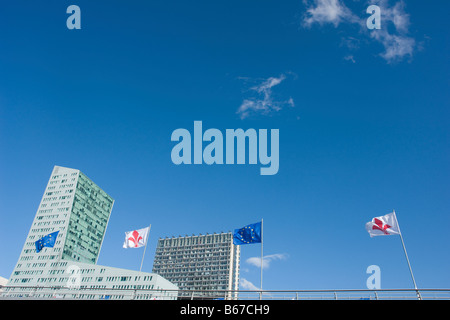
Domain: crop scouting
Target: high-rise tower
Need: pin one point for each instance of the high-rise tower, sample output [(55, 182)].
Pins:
[(80, 210), (207, 265)]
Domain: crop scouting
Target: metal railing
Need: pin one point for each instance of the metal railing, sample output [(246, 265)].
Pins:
[(59, 292)]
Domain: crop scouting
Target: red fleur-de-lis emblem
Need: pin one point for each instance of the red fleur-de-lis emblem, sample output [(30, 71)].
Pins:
[(379, 225), (135, 238)]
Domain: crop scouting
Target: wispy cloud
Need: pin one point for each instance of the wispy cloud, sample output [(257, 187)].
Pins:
[(350, 58), (397, 47), (397, 44), (247, 285), (328, 11), (263, 102), (256, 261), (393, 35)]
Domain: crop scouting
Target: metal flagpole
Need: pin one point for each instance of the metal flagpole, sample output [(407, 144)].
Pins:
[(145, 248), (407, 259), (262, 255)]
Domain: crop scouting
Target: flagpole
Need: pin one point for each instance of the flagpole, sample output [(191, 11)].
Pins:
[(407, 259), (145, 248), (262, 255)]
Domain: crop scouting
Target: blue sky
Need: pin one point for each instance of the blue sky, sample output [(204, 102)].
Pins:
[(363, 117)]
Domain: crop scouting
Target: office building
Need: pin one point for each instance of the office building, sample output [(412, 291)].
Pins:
[(79, 210), (200, 265)]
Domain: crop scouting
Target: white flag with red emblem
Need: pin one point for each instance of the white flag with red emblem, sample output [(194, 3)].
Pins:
[(384, 225), (136, 238)]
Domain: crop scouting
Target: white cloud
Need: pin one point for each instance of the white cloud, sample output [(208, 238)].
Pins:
[(396, 47), (393, 34), (395, 14), (263, 103), (351, 43), (328, 11), (290, 102), (256, 261), (247, 285), (398, 44), (350, 58)]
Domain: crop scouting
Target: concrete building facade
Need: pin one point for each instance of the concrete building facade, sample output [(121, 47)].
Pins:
[(203, 265)]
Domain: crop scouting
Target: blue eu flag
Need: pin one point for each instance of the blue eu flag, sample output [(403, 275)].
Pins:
[(248, 234), (46, 241)]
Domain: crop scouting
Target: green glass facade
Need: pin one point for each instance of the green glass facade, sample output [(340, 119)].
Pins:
[(88, 220)]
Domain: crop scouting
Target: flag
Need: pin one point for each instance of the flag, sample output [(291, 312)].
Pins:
[(384, 225), (136, 238), (46, 241), (248, 234)]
